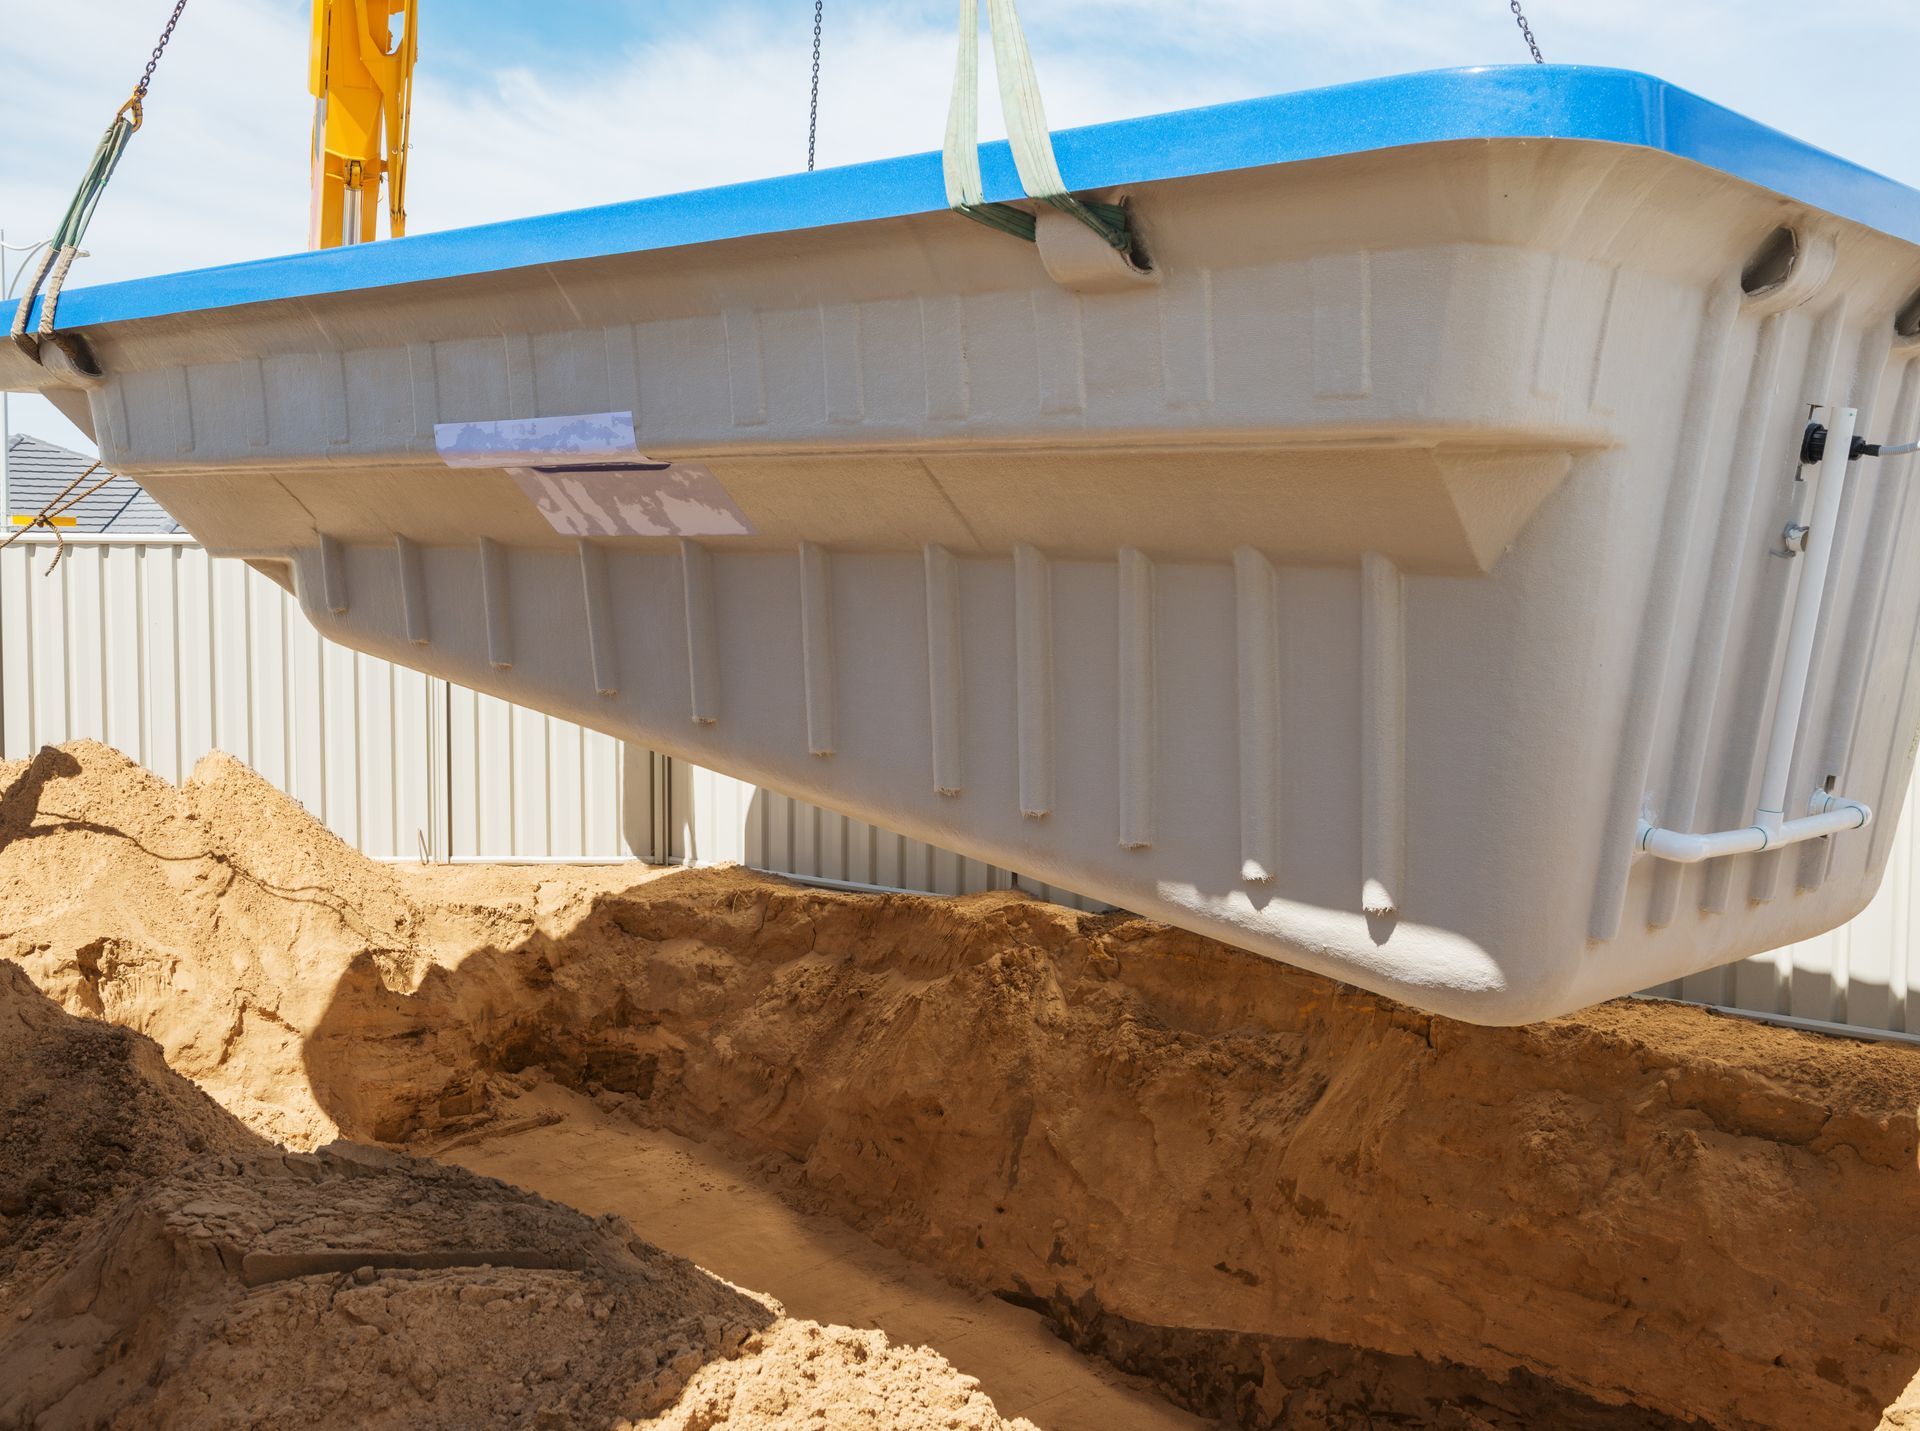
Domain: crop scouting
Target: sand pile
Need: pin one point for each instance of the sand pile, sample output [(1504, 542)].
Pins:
[(207, 919), (88, 1113), (1287, 1202), (807, 1376), (160, 1266)]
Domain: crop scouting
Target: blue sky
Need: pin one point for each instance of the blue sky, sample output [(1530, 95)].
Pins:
[(527, 108)]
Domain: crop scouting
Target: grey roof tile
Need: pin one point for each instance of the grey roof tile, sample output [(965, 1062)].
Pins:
[(38, 471)]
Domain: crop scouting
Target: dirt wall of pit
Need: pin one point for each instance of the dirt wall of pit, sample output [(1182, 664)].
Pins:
[(1286, 1202), (165, 1268)]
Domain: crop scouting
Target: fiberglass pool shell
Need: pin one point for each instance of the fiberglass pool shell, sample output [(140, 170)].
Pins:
[(1350, 588)]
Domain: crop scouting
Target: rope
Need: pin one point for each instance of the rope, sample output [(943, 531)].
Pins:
[(1027, 133), (64, 246), (55, 282), (60, 504), (19, 332)]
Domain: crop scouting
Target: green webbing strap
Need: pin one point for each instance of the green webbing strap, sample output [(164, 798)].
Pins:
[(73, 227), (64, 247), (1027, 133)]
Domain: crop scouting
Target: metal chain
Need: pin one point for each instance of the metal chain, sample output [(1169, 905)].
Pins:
[(140, 90), (813, 110), (1526, 30)]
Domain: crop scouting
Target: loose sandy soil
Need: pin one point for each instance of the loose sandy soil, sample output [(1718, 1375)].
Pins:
[(736, 1222), (162, 1266), (1283, 1202)]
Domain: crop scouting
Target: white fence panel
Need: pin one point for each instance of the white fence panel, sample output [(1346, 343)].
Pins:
[(525, 786), (155, 648), (714, 818)]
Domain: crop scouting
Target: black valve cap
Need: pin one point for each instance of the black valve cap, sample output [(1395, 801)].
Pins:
[(1813, 446)]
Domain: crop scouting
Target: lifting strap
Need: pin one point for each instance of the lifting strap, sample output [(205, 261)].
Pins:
[(50, 274), (1027, 133)]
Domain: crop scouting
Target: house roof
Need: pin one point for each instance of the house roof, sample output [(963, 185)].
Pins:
[(38, 471)]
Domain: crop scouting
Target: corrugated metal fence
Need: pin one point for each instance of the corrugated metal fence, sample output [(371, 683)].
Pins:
[(714, 818), (153, 647)]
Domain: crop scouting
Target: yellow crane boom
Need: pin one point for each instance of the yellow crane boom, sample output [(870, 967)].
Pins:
[(361, 78)]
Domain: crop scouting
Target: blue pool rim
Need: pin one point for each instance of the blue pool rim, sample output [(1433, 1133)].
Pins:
[(1500, 102)]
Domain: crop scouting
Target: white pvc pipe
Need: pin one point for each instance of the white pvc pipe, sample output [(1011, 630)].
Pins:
[(1796, 673), (1828, 814), (1832, 815)]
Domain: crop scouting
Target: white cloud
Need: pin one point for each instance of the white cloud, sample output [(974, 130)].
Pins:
[(219, 172)]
